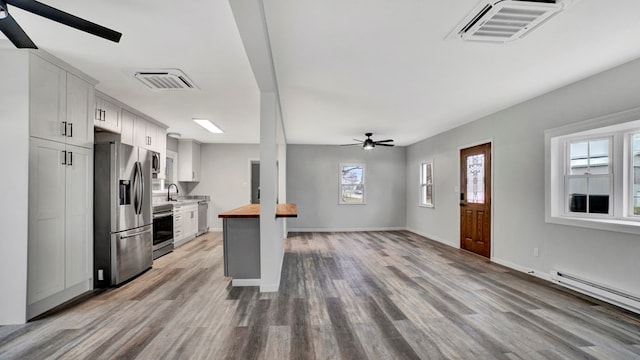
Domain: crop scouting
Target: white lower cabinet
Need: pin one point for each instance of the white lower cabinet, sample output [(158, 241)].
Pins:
[(185, 223), (60, 224)]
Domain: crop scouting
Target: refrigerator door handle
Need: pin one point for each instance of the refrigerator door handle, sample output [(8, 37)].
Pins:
[(141, 199), (136, 192)]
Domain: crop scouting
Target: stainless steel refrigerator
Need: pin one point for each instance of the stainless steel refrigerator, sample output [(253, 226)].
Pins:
[(123, 216)]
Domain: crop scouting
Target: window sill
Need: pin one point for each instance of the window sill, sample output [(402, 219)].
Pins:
[(615, 225), (426, 206)]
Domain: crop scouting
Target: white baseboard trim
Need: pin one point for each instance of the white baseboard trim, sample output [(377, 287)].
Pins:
[(245, 282), (216, 229), (510, 265), (346, 229), (435, 238)]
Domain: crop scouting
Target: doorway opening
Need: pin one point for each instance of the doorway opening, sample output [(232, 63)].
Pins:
[(255, 182)]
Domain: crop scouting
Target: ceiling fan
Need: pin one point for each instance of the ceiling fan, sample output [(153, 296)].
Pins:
[(369, 144), (19, 38)]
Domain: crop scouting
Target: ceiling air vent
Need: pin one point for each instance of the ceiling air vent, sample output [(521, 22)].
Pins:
[(506, 20), (166, 80)]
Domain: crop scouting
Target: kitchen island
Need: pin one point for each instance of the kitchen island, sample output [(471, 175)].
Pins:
[(241, 241)]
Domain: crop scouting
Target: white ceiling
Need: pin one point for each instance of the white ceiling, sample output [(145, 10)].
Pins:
[(343, 67)]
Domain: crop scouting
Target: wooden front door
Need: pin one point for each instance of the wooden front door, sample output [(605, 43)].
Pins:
[(475, 199)]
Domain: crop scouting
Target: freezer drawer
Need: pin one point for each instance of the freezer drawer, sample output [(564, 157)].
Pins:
[(131, 253)]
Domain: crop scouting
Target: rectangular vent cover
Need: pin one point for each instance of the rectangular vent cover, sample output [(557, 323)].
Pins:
[(506, 20), (166, 80)]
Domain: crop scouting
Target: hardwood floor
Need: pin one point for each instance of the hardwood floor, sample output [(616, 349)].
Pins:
[(366, 295)]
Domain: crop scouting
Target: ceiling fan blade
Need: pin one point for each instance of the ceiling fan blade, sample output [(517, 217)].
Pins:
[(384, 144), (15, 34), (350, 144), (360, 141), (383, 141), (62, 17)]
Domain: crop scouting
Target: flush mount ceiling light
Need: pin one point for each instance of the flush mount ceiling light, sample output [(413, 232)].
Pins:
[(209, 126), (174, 135)]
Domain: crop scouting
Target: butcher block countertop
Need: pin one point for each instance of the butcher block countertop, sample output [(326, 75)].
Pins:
[(253, 211)]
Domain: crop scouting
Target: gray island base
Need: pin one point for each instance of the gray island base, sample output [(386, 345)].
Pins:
[(241, 241)]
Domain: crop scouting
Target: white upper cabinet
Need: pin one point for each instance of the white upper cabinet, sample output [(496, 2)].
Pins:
[(107, 115), (145, 134), (127, 128), (60, 104), (80, 95), (189, 164), (47, 100)]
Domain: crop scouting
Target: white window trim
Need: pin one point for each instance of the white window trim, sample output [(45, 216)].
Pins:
[(364, 183), (421, 183), (555, 139)]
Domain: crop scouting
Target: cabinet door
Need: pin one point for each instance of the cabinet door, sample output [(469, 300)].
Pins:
[(80, 99), (140, 132), (127, 128), (161, 147), (47, 100), (107, 115), (196, 162), (189, 164), (111, 115), (46, 244), (152, 137), (79, 216)]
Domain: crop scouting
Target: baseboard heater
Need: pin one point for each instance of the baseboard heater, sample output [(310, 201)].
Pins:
[(598, 291)]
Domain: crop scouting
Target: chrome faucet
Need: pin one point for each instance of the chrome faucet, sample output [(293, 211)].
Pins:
[(169, 195)]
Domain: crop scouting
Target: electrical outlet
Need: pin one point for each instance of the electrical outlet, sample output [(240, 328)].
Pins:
[(100, 274), (535, 252)]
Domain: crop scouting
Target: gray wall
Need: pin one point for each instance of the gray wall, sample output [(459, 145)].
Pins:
[(519, 184), (225, 177), (313, 183)]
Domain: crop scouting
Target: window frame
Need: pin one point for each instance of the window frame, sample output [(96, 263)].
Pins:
[(424, 184), (362, 183), (619, 125)]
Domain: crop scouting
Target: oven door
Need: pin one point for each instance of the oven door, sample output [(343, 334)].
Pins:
[(162, 229)]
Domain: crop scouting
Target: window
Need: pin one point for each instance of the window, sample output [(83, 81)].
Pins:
[(426, 184), (588, 177), (351, 183), (593, 173)]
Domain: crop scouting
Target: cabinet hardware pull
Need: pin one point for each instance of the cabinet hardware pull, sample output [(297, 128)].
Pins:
[(98, 114), (64, 128), (70, 129), (104, 115), (70, 158), (64, 157)]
